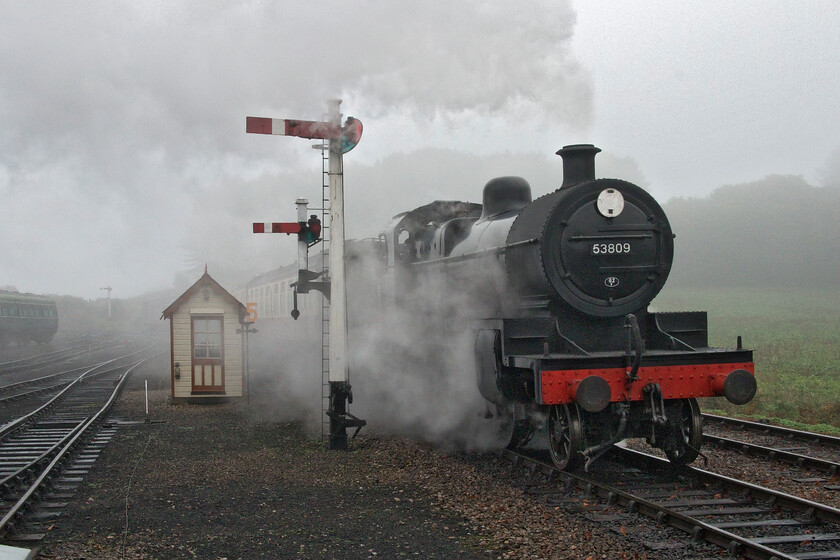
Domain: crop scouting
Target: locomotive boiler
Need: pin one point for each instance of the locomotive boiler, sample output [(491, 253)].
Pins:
[(556, 291)]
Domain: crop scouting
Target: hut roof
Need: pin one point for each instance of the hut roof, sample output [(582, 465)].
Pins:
[(205, 281)]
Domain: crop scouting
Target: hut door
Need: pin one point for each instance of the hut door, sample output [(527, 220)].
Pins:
[(208, 373)]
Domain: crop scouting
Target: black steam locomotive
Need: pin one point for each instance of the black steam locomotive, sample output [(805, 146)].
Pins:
[(557, 292)]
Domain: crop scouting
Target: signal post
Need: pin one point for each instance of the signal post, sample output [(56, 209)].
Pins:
[(341, 140)]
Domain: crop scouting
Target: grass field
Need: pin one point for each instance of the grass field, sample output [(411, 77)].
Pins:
[(796, 339)]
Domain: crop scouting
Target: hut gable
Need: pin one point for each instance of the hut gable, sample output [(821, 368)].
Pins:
[(206, 339), (206, 281)]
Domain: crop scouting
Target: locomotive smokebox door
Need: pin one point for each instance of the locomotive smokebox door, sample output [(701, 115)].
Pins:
[(598, 265)]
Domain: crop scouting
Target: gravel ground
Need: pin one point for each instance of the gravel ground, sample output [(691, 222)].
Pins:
[(214, 482), (224, 481)]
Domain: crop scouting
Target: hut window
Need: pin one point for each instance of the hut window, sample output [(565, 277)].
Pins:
[(207, 338)]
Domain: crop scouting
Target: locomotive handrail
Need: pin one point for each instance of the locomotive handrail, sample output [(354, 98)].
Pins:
[(568, 340), (477, 254), (611, 236)]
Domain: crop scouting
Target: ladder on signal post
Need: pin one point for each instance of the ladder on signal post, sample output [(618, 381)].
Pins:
[(325, 303)]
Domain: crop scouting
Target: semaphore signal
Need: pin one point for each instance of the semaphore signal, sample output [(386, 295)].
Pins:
[(348, 135), (341, 139)]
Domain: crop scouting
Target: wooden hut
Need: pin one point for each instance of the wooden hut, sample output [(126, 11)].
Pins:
[(206, 339)]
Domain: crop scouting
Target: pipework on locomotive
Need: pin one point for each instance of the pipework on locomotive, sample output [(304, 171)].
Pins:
[(558, 291)]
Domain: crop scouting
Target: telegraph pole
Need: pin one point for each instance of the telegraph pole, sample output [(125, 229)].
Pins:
[(247, 329), (108, 289)]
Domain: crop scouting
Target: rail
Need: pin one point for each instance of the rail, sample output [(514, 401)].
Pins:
[(57, 452), (693, 500)]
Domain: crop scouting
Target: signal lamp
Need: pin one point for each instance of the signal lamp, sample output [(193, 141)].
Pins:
[(351, 132)]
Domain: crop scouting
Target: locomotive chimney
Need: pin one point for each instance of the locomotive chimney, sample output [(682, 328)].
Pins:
[(578, 163)]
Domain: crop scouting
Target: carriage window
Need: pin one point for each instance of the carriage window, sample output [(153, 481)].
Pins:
[(207, 338)]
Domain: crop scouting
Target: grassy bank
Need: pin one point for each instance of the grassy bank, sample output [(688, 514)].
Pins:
[(796, 338)]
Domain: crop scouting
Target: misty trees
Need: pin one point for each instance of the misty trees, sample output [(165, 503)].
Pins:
[(776, 232), (830, 174)]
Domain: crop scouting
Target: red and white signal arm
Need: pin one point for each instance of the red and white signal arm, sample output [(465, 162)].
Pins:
[(291, 127), (349, 134)]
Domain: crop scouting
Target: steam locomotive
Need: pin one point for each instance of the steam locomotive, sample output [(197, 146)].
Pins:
[(557, 292)]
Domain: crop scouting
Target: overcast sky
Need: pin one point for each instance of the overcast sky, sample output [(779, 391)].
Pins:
[(123, 157)]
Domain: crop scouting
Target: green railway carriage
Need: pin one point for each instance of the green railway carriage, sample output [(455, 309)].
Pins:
[(26, 318)]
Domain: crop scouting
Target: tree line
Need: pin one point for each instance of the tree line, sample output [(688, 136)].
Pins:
[(777, 232)]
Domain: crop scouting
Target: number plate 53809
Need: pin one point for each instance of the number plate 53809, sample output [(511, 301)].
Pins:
[(610, 248)]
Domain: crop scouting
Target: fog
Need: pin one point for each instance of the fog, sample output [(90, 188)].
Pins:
[(121, 120), (124, 162), (411, 361)]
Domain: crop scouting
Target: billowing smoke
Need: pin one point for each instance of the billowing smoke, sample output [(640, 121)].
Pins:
[(121, 119), (123, 137), (413, 357)]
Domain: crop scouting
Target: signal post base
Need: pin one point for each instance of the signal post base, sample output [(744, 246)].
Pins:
[(340, 419)]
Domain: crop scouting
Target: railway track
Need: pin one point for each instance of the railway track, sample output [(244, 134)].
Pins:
[(761, 428), (19, 397), (51, 358), (32, 387), (45, 453), (801, 449), (744, 519)]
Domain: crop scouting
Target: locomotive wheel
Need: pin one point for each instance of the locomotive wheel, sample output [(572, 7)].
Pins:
[(514, 428), (505, 423), (687, 433), (564, 436)]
